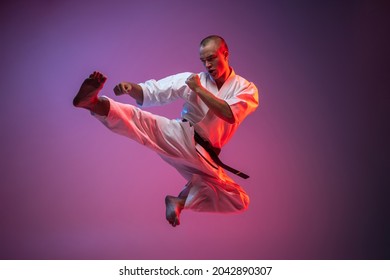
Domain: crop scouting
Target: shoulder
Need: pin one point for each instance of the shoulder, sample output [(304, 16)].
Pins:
[(241, 80), (241, 84)]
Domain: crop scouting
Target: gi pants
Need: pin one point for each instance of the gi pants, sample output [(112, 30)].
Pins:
[(209, 188)]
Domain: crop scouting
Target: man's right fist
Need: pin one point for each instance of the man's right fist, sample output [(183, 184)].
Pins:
[(122, 88)]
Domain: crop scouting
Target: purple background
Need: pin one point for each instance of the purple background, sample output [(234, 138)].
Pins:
[(316, 148)]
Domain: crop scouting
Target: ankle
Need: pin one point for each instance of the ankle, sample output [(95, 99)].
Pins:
[(100, 106)]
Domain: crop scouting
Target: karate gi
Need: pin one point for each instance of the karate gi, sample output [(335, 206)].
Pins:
[(209, 188)]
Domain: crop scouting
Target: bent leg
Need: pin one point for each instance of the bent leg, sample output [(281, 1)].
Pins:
[(215, 195), (206, 194)]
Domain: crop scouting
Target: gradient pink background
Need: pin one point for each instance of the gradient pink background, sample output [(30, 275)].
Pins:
[(316, 149)]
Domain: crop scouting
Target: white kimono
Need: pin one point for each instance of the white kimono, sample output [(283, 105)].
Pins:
[(209, 188)]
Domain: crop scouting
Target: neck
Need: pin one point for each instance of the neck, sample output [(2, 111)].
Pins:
[(223, 78)]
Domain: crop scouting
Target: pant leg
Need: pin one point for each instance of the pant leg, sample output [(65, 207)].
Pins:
[(168, 138), (208, 189), (208, 194)]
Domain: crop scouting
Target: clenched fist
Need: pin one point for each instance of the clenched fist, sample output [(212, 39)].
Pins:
[(193, 82), (122, 88)]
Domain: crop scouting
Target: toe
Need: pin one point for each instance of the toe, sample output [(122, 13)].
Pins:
[(100, 77)]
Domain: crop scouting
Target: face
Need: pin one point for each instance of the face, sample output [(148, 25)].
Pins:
[(215, 61)]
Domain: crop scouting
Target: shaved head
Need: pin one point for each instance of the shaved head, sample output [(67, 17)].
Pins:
[(217, 39)]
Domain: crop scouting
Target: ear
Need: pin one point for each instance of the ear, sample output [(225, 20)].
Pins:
[(226, 54)]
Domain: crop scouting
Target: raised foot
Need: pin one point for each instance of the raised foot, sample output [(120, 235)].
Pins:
[(87, 95), (174, 205)]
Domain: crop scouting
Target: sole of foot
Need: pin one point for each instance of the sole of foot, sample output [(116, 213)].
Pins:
[(87, 95)]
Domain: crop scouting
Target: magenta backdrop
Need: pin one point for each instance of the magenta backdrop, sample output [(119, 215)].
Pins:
[(71, 189)]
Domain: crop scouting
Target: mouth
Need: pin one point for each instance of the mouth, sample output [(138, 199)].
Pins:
[(212, 72)]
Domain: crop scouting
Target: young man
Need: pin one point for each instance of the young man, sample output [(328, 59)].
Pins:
[(216, 102)]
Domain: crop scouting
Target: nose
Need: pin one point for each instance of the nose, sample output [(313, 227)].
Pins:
[(207, 64)]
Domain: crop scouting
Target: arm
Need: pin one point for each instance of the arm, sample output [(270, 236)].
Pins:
[(132, 89), (217, 105)]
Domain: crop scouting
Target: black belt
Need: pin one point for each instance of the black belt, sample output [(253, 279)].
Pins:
[(214, 152)]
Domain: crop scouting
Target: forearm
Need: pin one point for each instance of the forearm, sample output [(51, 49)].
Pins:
[(132, 89), (219, 106), (136, 92)]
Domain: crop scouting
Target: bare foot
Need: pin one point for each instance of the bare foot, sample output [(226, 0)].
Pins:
[(87, 95), (174, 205)]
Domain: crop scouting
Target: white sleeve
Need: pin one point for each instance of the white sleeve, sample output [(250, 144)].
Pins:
[(244, 103), (165, 90)]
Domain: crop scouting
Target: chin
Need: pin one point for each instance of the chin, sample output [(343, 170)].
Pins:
[(215, 76)]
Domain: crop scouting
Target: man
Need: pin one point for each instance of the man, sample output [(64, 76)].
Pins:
[(216, 102)]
